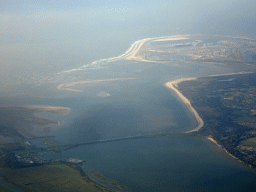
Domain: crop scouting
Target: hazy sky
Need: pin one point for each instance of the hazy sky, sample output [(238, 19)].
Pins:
[(42, 36), (35, 21)]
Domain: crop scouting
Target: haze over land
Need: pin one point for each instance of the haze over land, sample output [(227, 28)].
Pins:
[(40, 39), (91, 89)]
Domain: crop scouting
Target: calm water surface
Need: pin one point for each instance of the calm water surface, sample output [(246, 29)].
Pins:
[(140, 107), (167, 164)]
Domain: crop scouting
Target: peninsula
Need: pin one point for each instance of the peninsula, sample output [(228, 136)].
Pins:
[(226, 50)]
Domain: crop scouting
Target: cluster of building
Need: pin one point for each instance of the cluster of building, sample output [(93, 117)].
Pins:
[(73, 160), (30, 158), (244, 149), (203, 50), (37, 158), (240, 102)]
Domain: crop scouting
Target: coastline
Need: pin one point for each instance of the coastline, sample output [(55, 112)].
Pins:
[(134, 56), (173, 85), (214, 141), (134, 53)]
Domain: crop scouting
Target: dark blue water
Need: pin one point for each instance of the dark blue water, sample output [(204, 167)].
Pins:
[(143, 106), (140, 106), (139, 111), (167, 164)]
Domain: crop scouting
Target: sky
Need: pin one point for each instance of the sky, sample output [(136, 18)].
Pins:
[(38, 37)]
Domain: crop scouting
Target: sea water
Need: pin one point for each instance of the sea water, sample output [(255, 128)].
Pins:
[(167, 164), (140, 106), (144, 106)]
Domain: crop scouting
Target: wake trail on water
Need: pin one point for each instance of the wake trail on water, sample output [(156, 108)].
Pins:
[(130, 51)]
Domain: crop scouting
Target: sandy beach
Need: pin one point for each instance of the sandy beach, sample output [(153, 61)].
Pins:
[(171, 38), (135, 56), (214, 141), (173, 85)]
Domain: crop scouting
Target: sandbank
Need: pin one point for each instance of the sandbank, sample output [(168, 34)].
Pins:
[(53, 109), (66, 86), (227, 74)]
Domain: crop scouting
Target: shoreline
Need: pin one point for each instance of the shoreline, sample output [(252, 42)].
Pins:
[(220, 146), (131, 53), (134, 53), (173, 86), (133, 56)]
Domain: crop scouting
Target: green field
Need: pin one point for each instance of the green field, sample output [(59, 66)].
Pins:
[(3, 189), (59, 177), (250, 142)]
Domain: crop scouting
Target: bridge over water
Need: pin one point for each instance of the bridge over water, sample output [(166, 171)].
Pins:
[(69, 146)]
